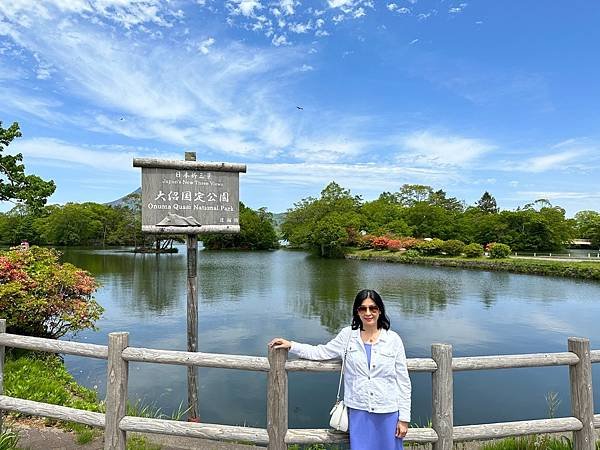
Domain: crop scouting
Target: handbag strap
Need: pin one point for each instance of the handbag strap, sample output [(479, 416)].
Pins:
[(337, 399)]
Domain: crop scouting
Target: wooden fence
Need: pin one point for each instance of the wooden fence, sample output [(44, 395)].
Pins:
[(277, 435)]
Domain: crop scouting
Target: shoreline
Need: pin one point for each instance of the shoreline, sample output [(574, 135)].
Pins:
[(584, 270)]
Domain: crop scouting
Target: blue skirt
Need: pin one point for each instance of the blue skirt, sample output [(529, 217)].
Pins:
[(373, 431)]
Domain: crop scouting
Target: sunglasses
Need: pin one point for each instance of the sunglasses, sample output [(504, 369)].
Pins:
[(364, 309)]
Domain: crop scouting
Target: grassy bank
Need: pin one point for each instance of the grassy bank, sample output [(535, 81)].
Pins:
[(569, 269), (44, 378)]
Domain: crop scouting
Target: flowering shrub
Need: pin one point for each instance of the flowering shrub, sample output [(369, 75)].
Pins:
[(394, 245), (473, 250), (380, 242), (39, 296), (498, 250)]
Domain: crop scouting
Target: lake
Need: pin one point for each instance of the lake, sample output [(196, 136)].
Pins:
[(246, 298)]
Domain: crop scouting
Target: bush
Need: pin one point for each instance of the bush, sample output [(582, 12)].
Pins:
[(453, 247), (431, 247), (473, 250), (41, 297), (498, 250), (412, 253)]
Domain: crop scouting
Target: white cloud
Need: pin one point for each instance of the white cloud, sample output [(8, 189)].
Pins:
[(428, 148), (205, 45), (150, 90), (279, 40), (414, 41), (72, 155), (352, 176), (392, 6), (287, 6), (301, 28), (127, 13), (457, 9), (306, 68), (244, 7), (549, 162)]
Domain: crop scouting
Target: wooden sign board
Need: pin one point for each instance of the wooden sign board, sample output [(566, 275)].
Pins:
[(189, 197)]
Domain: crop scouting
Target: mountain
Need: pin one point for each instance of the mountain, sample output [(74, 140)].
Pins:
[(133, 200)]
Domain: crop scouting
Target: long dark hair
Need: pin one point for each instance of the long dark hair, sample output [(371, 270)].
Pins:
[(382, 322)]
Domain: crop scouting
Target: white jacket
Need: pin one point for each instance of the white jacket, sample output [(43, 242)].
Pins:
[(382, 388)]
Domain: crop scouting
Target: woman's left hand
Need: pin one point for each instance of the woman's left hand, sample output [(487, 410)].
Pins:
[(401, 429)]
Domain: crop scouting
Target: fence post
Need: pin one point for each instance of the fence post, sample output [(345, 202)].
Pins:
[(2, 330), (116, 392), (277, 399), (442, 398), (582, 398)]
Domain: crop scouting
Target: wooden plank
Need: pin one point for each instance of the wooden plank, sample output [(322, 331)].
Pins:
[(595, 356), (582, 397), (327, 436), (199, 359), (2, 353), (305, 365), (189, 165), (116, 392), (54, 346), (277, 400), (191, 230), (93, 419), (521, 428), (227, 433), (514, 361), (192, 322), (442, 398)]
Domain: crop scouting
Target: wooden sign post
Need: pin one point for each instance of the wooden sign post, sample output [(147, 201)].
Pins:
[(190, 197)]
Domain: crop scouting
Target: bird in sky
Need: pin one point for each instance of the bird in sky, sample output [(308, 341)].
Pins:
[(300, 108)]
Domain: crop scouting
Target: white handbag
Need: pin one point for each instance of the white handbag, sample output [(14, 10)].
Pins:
[(339, 412), (339, 416)]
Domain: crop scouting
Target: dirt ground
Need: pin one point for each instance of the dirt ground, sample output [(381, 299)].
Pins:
[(34, 437)]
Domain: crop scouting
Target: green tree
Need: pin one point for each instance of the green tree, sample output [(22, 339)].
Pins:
[(487, 203), (588, 226), (15, 186), (256, 232), (410, 194), (441, 199), (326, 224), (383, 216), (73, 224)]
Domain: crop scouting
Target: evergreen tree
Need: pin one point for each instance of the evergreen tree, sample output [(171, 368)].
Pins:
[(487, 203)]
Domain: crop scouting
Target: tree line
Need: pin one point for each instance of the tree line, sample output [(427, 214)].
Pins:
[(337, 219), (327, 224)]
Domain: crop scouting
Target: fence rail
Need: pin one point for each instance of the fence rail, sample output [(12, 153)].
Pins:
[(276, 435)]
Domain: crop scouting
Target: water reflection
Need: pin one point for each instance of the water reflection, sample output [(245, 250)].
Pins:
[(247, 298)]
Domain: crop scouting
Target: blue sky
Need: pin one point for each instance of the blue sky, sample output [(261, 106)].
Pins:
[(466, 96)]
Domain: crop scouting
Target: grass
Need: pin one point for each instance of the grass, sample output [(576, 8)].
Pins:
[(8, 440), (136, 442), (533, 443), (43, 378), (585, 270)]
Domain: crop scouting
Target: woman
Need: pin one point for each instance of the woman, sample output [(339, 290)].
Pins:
[(376, 383)]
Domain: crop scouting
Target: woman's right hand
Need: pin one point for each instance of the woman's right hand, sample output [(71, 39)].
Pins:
[(280, 343)]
